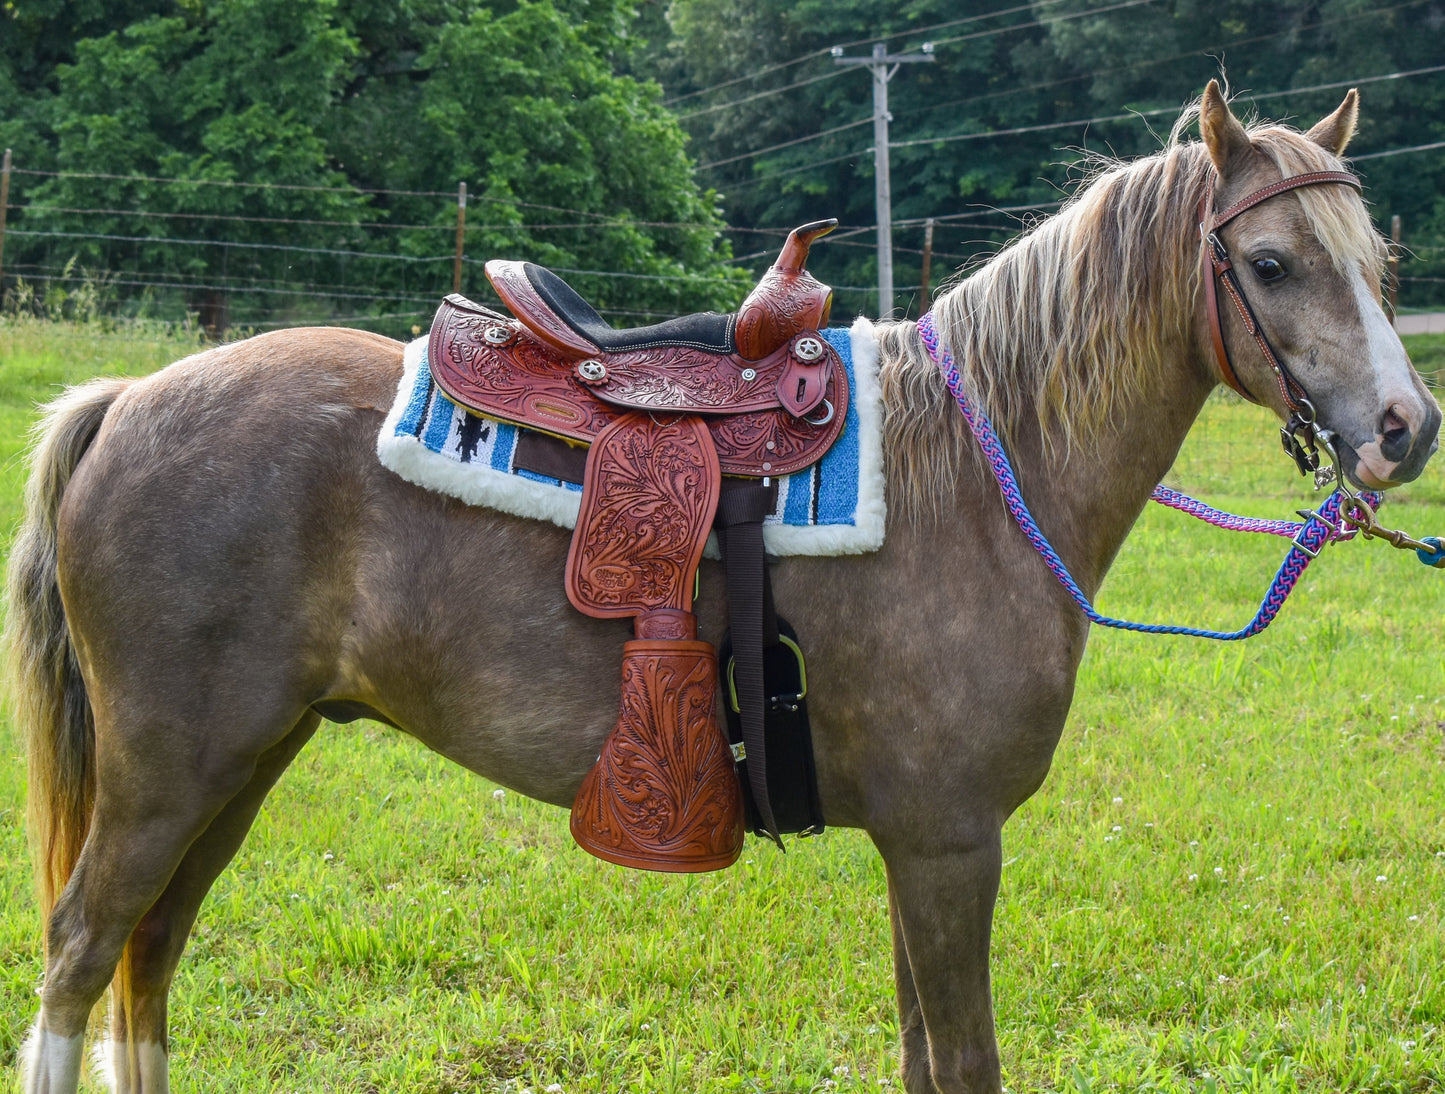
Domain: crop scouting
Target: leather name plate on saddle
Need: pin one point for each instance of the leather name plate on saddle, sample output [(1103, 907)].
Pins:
[(667, 410)]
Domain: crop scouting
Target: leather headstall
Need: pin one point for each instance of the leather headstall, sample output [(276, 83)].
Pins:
[(1218, 266)]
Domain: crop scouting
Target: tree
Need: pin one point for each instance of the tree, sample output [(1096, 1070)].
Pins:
[(250, 133), (1003, 118)]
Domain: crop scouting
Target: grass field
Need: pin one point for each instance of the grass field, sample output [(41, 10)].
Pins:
[(1233, 878)]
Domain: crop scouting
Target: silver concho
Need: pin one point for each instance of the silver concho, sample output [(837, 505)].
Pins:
[(808, 349), (750, 374), (591, 371), (497, 336)]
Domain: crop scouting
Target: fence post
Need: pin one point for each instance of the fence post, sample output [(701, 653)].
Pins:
[(924, 300), (1393, 266), (4, 204), (461, 232)]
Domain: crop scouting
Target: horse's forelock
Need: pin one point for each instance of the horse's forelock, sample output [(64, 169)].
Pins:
[(1335, 214)]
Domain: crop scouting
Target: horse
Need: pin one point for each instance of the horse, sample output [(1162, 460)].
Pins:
[(212, 560)]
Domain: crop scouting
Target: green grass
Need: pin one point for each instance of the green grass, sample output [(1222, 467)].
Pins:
[(1428, 353), (1233, 878)]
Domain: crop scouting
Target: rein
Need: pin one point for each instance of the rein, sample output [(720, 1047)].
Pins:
[(1340, 518), (1309, 537)]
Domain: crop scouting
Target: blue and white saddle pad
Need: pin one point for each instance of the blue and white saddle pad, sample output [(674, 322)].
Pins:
[(835, 507)]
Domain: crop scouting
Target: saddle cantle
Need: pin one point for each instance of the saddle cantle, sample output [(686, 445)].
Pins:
[(667, 410)]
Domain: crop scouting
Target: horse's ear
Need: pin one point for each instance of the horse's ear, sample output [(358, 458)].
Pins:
[(1334, 133), (1223, 135)]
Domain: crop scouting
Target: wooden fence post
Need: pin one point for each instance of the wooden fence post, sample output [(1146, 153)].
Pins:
[(461, 233), (924, 300), (1393, 266), (4, 204)]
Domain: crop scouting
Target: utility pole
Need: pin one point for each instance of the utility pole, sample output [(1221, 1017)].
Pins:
[(461, 236), (4, 204), (925, 293), (883, 65), (1392, 264)]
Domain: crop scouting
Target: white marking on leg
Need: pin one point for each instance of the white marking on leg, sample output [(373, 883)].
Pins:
[(149, 1075), (50, 1064)]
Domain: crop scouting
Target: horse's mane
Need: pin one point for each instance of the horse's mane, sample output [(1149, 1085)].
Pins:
[(1070, 320)]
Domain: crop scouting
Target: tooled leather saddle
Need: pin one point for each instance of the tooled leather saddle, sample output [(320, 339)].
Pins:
[(666, 411)]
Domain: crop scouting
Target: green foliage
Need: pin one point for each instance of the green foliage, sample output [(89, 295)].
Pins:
[(567, 162), (1052, 63)]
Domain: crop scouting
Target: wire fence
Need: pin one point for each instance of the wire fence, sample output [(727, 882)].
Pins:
[(230, 270)]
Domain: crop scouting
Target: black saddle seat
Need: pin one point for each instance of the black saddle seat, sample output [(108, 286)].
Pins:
[(707, 331)]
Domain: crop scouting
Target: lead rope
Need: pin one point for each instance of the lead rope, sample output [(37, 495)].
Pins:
[(1309, 537)]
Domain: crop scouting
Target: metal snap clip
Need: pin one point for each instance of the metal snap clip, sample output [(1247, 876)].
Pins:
[(591, 371), (808, 349)]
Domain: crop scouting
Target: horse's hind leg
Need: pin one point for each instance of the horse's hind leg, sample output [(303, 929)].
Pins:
[(152, 802), (135, 1055)]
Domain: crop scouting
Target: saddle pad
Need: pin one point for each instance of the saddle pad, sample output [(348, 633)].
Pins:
[(835, 507)]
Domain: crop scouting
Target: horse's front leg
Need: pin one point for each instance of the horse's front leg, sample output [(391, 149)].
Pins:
[(941, 901)]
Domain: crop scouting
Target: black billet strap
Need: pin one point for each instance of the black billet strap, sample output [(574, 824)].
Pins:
[(740, 512), (792, 774)]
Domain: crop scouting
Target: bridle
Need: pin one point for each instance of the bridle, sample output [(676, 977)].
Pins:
[(1344, 513), (1301, 435)]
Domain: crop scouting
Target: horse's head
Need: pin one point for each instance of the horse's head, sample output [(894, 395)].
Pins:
[(1309, 263)]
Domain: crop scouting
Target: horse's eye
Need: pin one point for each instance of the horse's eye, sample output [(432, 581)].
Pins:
[(1267, 269)]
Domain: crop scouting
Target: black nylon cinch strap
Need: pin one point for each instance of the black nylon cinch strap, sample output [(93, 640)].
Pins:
[(739, 523)]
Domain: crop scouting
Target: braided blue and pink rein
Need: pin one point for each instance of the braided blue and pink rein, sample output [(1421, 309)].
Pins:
[(1308, 537)]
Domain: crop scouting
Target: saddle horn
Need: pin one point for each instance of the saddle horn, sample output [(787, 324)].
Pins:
[(788, 300)]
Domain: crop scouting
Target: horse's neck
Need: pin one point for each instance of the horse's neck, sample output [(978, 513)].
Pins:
[(1087, 502)]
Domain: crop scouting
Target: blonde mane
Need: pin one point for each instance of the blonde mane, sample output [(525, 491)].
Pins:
[(1069, 321)]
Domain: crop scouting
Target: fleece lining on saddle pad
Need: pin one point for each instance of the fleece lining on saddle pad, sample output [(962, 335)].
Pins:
[(835, 507)]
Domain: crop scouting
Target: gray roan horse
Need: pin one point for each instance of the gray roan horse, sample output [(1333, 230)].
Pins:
[(181, 623)]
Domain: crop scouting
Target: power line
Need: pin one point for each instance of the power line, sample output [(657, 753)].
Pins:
[(229, 243), (787, 144), (769, 69), (1202, 51), (829, 75), (915, 32), (1076, 122), (1035, 87), (966, 37), (1397, 152), (604, 218), (794, 170), (1041, 22)]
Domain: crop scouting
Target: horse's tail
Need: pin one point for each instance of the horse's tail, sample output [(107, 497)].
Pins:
[(50, 702)]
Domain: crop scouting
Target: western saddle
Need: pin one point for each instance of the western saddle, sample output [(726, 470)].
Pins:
[(666, 411)]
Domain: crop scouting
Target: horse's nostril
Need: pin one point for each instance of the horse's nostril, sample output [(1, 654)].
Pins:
[(1392, 422)]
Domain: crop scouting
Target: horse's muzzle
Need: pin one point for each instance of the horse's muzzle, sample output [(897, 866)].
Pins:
[(1408, 435)]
